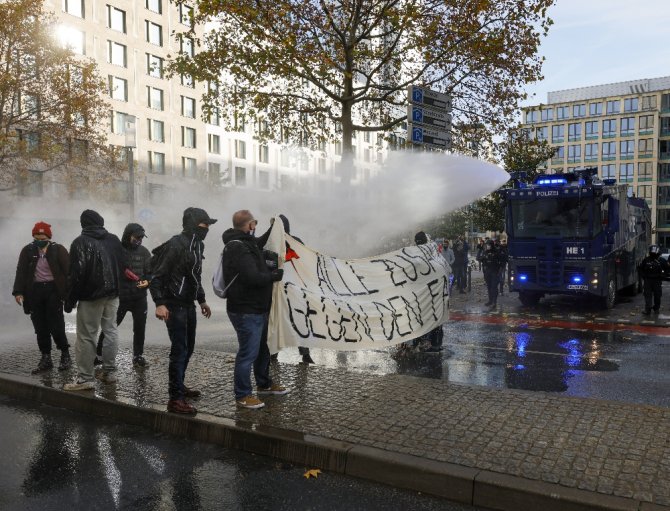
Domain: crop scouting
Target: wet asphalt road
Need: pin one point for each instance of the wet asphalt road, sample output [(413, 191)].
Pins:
[(54, 459)]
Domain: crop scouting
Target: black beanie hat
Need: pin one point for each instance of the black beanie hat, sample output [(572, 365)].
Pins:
[(90, 218), (420, 238)]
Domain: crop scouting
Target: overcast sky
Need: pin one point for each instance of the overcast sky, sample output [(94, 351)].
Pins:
[(593, 42)]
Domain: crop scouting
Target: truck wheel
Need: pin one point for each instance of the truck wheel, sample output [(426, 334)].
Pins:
[(610, 297), (529, 299)]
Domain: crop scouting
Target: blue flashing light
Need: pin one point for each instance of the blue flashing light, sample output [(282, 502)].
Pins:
[(523, 278), (553, 181), (577, 279)]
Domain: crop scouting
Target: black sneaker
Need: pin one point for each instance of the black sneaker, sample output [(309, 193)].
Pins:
[(307, 359), (44, 364), (97, 361), (65, 361), (140, 361), (646, 312)]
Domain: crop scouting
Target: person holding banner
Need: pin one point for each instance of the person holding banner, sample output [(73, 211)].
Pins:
[(248, 306)]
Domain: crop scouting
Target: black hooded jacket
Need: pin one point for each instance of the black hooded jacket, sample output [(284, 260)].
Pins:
[(137, 260), (251, 292), (178, 278), (95, 263)]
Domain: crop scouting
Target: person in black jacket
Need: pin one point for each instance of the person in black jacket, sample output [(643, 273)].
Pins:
[(40, 286), (176, 283), (133, 290), (95, 259), (248, 305), (492, 262), (652, 269)]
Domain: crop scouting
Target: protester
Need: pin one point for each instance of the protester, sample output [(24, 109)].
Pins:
[(504, 258), (652, 269), (95, 258), (175, 286), (491, 264), (40, 286), (448, 253), (248, 306), (460, 267), (479, 253), (436, 335), (133, 290)]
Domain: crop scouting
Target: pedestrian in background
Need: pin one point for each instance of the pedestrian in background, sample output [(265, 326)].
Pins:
[(460, 264), (40, 286), (176, 284), (653, 269), (248, 305), (504, 258), (95, 260), (448, 253), (491, 264), (133, 290)]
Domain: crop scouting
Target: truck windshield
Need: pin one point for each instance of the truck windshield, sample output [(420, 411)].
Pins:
[(552, 217)]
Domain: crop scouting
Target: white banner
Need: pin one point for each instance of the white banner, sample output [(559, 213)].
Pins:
[(355, 304)]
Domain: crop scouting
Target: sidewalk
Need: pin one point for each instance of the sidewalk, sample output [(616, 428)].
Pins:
[(501, 449)]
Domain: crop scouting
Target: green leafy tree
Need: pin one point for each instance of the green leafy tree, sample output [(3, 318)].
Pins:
[(53, 110), (315, 71)]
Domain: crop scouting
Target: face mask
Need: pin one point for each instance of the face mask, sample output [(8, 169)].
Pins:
[(41, 243), (201, 232), (136, 243), (252, 232)]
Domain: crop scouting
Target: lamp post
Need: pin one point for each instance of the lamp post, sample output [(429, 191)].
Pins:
[(130, 132)]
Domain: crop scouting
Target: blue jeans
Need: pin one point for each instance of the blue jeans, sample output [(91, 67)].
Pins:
[(253, 351), (181, 329)]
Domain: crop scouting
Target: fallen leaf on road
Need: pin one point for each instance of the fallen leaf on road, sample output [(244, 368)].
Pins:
[(314, 472)]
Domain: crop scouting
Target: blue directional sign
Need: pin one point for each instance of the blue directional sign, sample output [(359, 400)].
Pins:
[(438, 119), (417, 95), (417, 115), (423, 96), (430, 137), (417, 135)]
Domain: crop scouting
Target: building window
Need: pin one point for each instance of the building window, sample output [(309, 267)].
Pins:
[(118, 123), (574, 153), (338, 148), (117, 54), (644, 170), (609, 150), (559, 154), (626, 148), (214, 144), (646, 122), (609, 171), (73, 39), (263, 180), (591, 129), (626, 171), (185, 14), (240, 149), (627, 126), (648, 102), (156, 163), (321, 164), (154, 33), (562, 112), (188, 137), (214, 173), (214, 117), (187, 81), (609, 128), (155, 6), (74, 7), (630, 105), (186, 46), (531, 116), (156, 130), (188, 167), (264, 154), (613, 107), (188, 107), (154, 66), (645, 147), (541, 133), (240, 176), (547, 114), (579, 110), (557, 133), (155, 98), (116, 19), (575, 131), (595, 109), (118, 88), (590, 152), (644, 192)]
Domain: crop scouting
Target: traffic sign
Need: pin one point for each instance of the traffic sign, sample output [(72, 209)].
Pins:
[(423, 96), (428, 116), (429, 136)]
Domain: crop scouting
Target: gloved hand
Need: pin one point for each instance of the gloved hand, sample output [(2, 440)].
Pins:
[(68, 305), (277, 275)]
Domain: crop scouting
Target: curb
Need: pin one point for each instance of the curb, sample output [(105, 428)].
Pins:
[(457, 483)]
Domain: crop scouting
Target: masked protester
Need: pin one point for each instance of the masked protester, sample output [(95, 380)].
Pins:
[(653, 269), (40, 287), (175, 286), (133, 291)]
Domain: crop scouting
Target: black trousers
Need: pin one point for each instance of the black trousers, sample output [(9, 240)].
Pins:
[(47, 317), (492, 279), (138, 309), (652, 288)]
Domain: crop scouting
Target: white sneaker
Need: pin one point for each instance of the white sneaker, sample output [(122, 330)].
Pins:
[(106, 377), (79, 385), (277, 390)]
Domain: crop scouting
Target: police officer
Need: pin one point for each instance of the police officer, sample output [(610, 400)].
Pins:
[(492, 262), (652, 269)]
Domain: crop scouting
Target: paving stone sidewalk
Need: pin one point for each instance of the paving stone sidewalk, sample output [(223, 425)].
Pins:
[(605, 447)]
